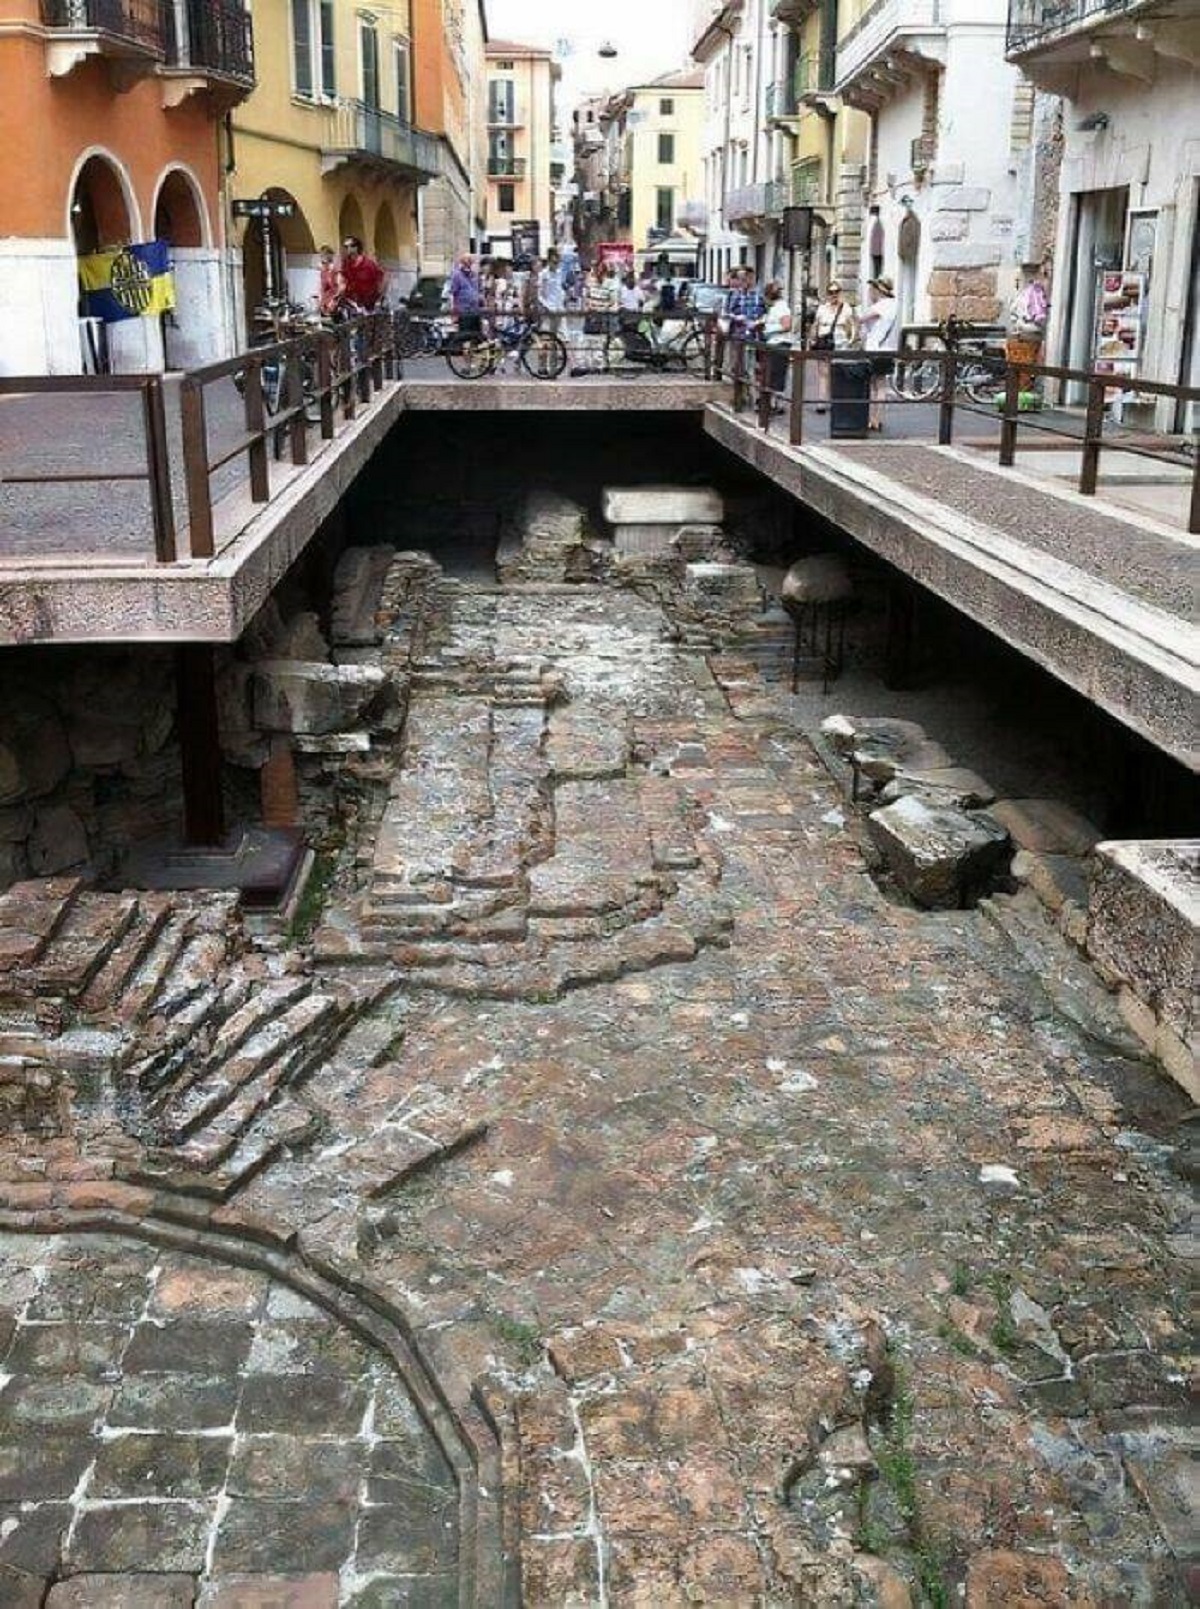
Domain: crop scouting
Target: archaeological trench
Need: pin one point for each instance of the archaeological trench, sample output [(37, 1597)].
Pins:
[(709, 1124)]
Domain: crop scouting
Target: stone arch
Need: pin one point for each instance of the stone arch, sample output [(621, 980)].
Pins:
[(102, 208), (387, 240), (180, 215), (288, 238), (350, 219)]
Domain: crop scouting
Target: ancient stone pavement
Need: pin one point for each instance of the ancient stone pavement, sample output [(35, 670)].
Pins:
[(637, 1196)]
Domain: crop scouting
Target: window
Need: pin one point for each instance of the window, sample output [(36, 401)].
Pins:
[(666, 148), (368, 44), (400, 52), (666, 108), (506, 199), (505, 66), (302, 48), (501, 101), (328, 58), (664, 209)]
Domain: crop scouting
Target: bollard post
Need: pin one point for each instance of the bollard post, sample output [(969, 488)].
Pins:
[(796, 418), (1012, 403), (195, 469), (1089, 469), (946, 409)]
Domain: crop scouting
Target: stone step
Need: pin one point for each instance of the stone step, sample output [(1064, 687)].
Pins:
[(262, 1006), (274, 1053), (180, 1044), (31, 913), (92, 929), (1066, 979), (202, 958), (665, 809), (108, 986), (286, 1126), (156, 966)]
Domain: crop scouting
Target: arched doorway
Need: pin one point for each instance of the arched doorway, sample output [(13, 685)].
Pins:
[(279, 256), (193, 333), (387, 242), (102, 216), (350, 221)]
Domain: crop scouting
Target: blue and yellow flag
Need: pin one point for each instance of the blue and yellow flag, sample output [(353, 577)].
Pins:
[(128, 282)]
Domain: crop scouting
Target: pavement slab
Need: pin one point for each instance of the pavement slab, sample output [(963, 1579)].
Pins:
[(823, 1261)]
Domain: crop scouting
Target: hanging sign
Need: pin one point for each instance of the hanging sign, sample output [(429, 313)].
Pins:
[(262, 207)]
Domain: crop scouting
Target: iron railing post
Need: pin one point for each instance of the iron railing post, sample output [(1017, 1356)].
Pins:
[(946, 409), (195, 468), (739, 374), (297, 431), (326, 345), (260, 474), (1089, 468), (1012, 403), (766, 401), (796, 416), (158, 470)]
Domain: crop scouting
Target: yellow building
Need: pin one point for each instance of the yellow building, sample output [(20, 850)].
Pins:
[(520, 116), (329, 129), (663, 161), (829, 138)]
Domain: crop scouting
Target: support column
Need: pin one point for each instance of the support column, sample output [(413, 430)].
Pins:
[(200, 745)]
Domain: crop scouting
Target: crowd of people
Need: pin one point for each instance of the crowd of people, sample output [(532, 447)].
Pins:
[(350, 283)]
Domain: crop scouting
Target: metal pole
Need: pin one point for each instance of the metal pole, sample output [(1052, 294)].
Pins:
[(1012, 403), (195, 469), (946, 411), (796, 421), (1089, 469)]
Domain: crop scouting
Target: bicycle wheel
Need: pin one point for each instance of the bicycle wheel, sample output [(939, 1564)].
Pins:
[(470, 359), (916, 382), (411, 338), (691, 353), (980, 382), (543, 355)]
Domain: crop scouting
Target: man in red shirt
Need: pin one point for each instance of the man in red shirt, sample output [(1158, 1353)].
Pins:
[(362, 277)]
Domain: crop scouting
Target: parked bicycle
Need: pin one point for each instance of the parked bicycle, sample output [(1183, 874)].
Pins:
[(281, 321), (472, 354), (977, 377), (657, 345), (421, 337)]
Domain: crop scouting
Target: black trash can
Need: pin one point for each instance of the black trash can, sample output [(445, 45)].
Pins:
[(849, 398)]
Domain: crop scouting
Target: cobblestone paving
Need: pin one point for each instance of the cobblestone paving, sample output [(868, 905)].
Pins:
[(201, 1434), (827, 1264)]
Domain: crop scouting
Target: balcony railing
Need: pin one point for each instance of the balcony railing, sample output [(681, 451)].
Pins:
[(1034, 22), (139, 23), (506, 167), (781, 99), (747, 201), (217, 38), (878, 29), (358, 132)]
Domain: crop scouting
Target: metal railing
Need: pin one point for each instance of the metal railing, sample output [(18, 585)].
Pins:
[(1033, 22), (157, 471), (506, 167), (356, 129), (137, 22), (347, 364), (746, 201), (773, 382), (217, 35)]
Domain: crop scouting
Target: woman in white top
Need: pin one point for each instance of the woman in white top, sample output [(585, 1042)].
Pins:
[(880, 328), (835, 328), (777, 335)]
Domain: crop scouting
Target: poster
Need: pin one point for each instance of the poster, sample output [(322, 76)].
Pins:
[(1120, 322)]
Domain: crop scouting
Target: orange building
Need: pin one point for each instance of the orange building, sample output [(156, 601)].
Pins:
[(448, 80), (110, 118)]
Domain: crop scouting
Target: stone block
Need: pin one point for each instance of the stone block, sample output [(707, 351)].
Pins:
[(948, 173), (58, 841), (949, 226), (966, 198), (944, 282), (34, 753), (942, 857), (662, 505), (1045, 826), (966, 254), (125, 1591), (298, 696), (822, 578), (940, 784), (302, 638), (1143, 912)]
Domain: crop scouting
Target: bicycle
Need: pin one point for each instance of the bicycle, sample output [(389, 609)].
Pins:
[(978, 379), (418, 337), (472, 354), (647, 345), (275, 322)]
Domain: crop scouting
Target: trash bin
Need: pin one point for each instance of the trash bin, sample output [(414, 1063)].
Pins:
[(849, 397)]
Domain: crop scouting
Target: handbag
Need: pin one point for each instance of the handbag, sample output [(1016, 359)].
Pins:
[(823, 343)]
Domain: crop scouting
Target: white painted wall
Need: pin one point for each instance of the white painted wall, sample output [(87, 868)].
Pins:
[(39, 330)]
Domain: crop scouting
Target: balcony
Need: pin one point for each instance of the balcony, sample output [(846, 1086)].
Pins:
[(749, 203), (379, 141), (1069, 27), (506, 167), (793, 11), (781, 101), (890, 46), (210, 47), (500, 116), (693, 215), (130, 34)]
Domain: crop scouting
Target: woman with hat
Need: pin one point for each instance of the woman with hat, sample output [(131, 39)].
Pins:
[(880, 326), (834, 329)]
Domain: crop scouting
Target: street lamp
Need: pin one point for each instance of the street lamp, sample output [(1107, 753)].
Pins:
[(608, 50)]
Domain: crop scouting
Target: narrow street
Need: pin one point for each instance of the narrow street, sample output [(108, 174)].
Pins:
[(795, 1245)]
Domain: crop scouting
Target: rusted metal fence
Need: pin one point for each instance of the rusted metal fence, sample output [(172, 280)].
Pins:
[(747, 364)]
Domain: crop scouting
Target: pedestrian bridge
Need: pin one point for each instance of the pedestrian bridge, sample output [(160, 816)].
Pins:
[(152, 511)]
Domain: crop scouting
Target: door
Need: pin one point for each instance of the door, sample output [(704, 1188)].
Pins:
[(1098, 231)]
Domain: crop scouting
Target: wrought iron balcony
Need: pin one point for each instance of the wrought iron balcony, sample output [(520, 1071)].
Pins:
[(216, 39), (506, 167), (1040, 22), (121, 28), (377, 139)]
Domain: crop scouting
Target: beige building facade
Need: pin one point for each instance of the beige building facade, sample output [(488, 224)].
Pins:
[(663, 158), (521, 81)]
